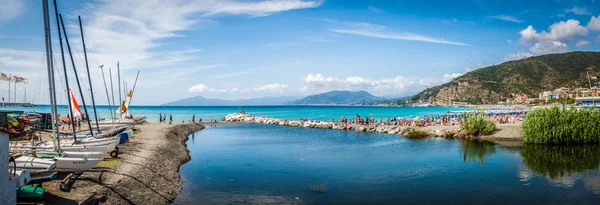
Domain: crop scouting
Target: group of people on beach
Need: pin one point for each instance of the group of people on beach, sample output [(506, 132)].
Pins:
[(163, 119), (426, 121)]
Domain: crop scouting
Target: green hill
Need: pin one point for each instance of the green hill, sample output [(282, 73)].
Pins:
[(337, 98), (528, 76)]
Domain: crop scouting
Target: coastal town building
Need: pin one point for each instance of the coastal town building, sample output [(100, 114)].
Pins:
[(586, 92), (548, 95)]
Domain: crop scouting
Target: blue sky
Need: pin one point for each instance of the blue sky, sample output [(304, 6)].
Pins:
[(234, 49)]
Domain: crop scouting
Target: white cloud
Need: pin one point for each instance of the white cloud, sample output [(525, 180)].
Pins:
[(274, 87), (546, 47), (517, 56), (558, 32), (428, 82), (10, 9), (449, 77), (397, 36), (505, 18), (376, 10), (129, 31), (578, 11), (594, 23), (380, 31), (198, 88), (539, 48), (399, 84), (263, 8), (17, 60), (267, 88), (597, 39), (582, 43)]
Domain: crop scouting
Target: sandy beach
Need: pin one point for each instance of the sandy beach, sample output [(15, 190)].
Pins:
[(146, 172)]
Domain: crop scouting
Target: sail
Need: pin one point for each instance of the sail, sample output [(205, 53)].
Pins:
[(125, 106), (74, 105)]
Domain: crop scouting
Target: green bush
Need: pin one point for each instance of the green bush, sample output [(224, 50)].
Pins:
[(476, 124), (414, 133), (559, 125)]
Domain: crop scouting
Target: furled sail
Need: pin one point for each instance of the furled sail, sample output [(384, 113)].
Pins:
[(74, 105), (124, 109)]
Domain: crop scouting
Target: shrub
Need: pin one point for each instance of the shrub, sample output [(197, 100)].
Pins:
[(412, 132), (559, 125), (476, 124)]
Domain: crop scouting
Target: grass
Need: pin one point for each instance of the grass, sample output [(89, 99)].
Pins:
[(414, 133), (561, 125), (319, 188), (476, 124), (110, 162)]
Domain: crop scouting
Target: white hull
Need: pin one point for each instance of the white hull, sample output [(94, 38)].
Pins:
[(23, 178), (69, 154), (75, 164), (34, 165)]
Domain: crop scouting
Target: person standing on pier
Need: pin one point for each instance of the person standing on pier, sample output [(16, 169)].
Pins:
[(193, 118), (170, 119), (159, 117)]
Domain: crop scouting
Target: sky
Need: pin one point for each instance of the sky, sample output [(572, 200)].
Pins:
[(235, 49)]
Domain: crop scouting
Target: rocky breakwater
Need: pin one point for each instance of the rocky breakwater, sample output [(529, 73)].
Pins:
[(440, 131)]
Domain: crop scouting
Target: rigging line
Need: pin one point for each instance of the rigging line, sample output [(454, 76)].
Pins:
[(62, 83), (37, 90)]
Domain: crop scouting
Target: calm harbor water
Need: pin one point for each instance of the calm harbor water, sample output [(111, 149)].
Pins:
[(184, 113), (269, 164)]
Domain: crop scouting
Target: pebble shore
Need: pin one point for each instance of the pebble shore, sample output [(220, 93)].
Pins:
[(146, 172)]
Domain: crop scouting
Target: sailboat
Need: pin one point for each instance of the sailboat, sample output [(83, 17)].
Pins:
[(59, 160)]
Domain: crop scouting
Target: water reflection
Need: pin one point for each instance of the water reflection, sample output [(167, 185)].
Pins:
[(476, 151), (555, 161)]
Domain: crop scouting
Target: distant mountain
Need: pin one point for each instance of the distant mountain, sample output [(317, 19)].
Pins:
[(337, 98), (528, 76), (201, 101)]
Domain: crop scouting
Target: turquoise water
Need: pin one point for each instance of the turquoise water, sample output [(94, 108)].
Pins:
[(269, 164), (184, 113)]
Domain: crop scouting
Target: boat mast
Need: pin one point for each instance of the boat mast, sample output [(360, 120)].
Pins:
[(62, 23), (9, 79), (62, 53), (50, 64), (134, 83), (112, 90), (89, 78), (110, 108), (119, 79)]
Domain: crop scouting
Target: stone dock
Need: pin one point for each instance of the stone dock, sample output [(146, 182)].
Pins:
[(146, 171), (504, 132)]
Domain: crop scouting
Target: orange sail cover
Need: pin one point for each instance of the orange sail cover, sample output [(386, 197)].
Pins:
[(74, 105)]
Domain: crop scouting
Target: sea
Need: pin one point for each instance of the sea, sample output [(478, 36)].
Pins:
[(185, 113), (271, 164)]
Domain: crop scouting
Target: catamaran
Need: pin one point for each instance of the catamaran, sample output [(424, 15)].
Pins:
[(51, 157)]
